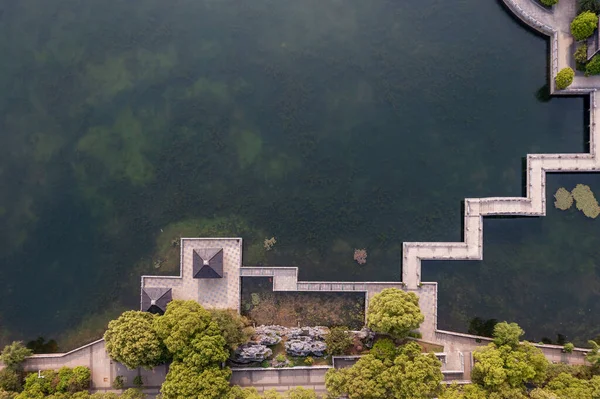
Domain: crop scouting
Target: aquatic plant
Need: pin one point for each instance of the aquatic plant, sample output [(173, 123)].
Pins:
[(564, 199), (360, 256), (585, 201), (269, 242)]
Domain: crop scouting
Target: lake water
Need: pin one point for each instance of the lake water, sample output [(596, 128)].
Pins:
[(330, 125)]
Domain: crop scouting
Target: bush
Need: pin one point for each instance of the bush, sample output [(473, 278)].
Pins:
[(568, 348), (564, 78), (14, 354), (394, 312), (549, 3), (338, 341), (384, 349), (280, 358), (118, 383), (309, 361), (10, 380), (581, 53), (138, 381), (584, 25)]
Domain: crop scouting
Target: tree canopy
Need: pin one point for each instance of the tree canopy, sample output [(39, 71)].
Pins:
[(132, 340), (338, 340), (394, 312), (14, 354), (507, 334), (411, 375), (235, 328), (584, 25), (183, 381)]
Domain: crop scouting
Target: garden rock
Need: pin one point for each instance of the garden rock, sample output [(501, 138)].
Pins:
[(305, 346), (269, 339), (316, 333), (366, 336), (251, 352), (271, 330)]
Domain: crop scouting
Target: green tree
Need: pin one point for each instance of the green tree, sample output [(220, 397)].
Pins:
[(384, 349), (73, 380), (301, 393), (14, 354), (580, 54), (10, 380), (507, 334), (394, 312), (470, 391), (182, 327), (132, 340), (564, 78), (411, 375), (589, 5), (593, 356), (584, 25), (235, 328), (133, 393), (206, 350), (338, 340), (188, 382)]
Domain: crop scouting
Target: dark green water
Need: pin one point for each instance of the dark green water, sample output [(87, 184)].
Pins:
[(331, 125)]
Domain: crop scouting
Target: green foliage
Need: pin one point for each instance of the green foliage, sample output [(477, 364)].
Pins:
[(10, 380), (411, 375), (133, 393), (576, 370), (132, 340), (309, 361), (384, 349), (583, 25), (281, 358), (235, 328), (138, 381), (589, 5), (580, 54), (339, 341), (118, 382), (498, 368), (470, 391), (564, 78), (185, 328), (549, 2), (14, 354), (394, 312), (593, 66), (507, 334), (568, 347), (255, 298), (188, 382), (301, 393), (593, 356), (65, 382)]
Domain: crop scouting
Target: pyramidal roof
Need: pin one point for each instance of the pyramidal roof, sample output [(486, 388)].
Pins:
[(207, 263), (155, 300)]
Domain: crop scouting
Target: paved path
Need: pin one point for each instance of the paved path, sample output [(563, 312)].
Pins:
[(556, 24)]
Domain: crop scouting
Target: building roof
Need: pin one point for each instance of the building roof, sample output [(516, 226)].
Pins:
[(207, 262), (155, 300)]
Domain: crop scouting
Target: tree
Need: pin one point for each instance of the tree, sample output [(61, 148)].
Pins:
[(188, 382), (470, 391), (206, 350), (593, 66), (394, 312), (235, 328), (301, 393), (411, 375), (132, 340), (593, 356), (338, 341), (589, 5), (580, 54), (182, 323), (384, 349), (564, 78), (584, 25), (14, 354), (10, 380), (133, 393), (507, 334)]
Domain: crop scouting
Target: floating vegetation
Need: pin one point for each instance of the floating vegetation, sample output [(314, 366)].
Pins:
[(564, 199), (585, 201), (269, 242), (360, 256)]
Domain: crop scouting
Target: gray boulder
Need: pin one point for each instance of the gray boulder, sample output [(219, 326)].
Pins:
[(317, 333), (305, 346), (268, 339), (251, 352)]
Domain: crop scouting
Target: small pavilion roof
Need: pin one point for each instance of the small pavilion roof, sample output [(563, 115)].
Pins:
[(155, 300), (207, 262)]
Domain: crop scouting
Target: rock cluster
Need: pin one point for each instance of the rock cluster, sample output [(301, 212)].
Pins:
[(366, 336), (251, 352), (305, 346), (301, 341)]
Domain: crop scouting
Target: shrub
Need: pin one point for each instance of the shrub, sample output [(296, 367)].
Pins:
[(394, 312), (10, 380), (138, 381), (309, 361), (593, 66), (384, 349), (118, 382), (280, 358), (584, 25), (564, 78), (549, 3), (235, 328), (338, 341), (568, 348), (14, 354), (580, 54)]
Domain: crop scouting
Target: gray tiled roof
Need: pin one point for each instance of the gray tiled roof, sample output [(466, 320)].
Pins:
[(207, 263), (155, 300)]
